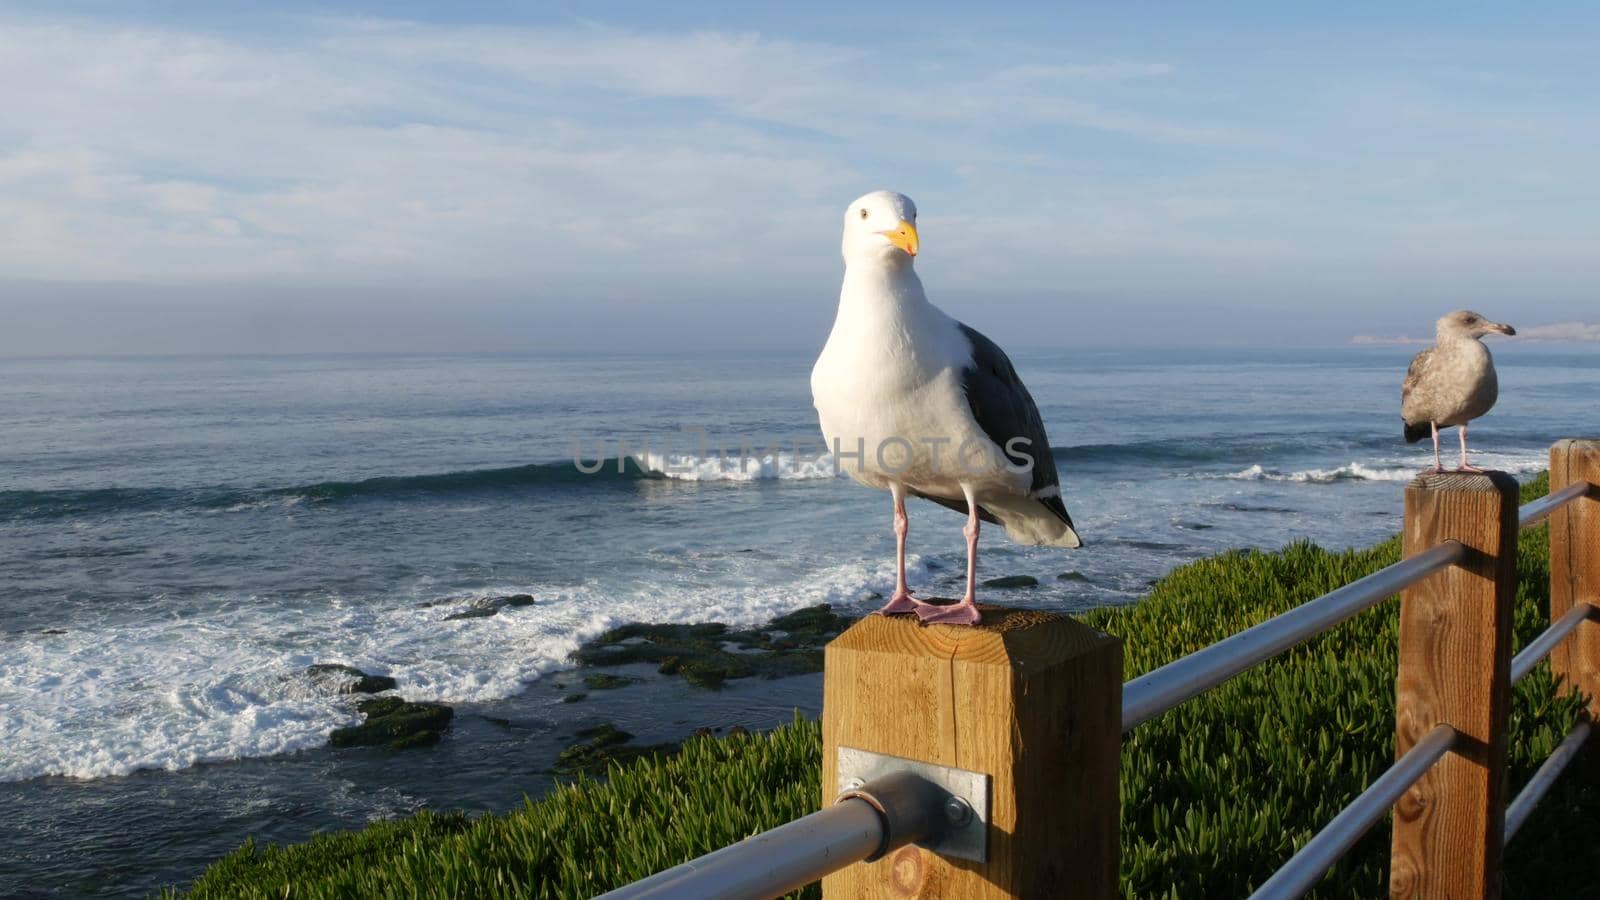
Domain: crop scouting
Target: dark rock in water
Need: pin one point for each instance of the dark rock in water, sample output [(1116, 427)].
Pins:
[(605, 681), (1072, 576), (737, 730), (605, 734), (496, 720), (600, 746), (1012, 581), (574, 697), (813, 620), (702, 732), (343, 679), (710, 674), (708, 654), (54, 631), (395, 722), (489, 606)]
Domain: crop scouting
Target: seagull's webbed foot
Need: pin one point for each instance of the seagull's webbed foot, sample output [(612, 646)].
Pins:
[(1470, 469), (1433, 470), (901, 603), (964, 613)]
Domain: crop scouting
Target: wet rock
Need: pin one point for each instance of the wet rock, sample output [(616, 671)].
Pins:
[(1072, 576), (396, 723), (1012, 581), (702, 732), (708, 654), (343, 679), (605, 681), (574, 697), (738, 730), (488, 606), (601, 745)]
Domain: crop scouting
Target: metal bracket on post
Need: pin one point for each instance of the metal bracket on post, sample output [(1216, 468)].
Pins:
[(958, 800)]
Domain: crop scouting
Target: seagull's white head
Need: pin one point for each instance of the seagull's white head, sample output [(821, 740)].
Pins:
[(880, 228), (1464, 323)]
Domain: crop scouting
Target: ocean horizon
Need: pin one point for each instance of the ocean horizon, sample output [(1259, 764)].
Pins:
[(183, 537)]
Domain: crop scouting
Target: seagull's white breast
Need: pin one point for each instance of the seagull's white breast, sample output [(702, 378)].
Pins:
[(888, 385)]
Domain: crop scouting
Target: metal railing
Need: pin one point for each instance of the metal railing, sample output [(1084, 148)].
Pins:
[(1158, 691), (1540, 783), (859, 827), (1313, 860), (1302, 872), (1536, 511), (773, 862), (867, 822)]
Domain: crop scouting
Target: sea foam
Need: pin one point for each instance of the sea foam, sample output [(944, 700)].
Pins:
[(782, 466), (109, 700), (1392, 470)]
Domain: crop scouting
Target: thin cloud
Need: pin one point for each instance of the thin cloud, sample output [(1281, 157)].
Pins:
[(1584, 332), (1569, 332)]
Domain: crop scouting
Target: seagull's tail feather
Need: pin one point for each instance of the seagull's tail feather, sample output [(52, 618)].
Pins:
[(1041, 520), (1416, 433), (1027, 520)]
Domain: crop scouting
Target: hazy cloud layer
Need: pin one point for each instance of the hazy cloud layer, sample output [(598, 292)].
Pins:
[(1158, 190), (1564, 332), (1588, 332)]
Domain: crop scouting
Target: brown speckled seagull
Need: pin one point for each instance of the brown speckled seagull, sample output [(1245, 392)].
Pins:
[(1452, 382)]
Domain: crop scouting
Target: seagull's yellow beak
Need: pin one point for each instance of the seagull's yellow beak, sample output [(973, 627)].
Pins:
[(903, 236)]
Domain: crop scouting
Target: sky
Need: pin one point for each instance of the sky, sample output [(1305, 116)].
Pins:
[(483, 176)]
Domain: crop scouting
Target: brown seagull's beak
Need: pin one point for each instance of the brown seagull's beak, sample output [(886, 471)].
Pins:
[(1506, 330)]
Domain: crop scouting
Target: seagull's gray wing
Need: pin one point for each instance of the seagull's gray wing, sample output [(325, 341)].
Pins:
[(1412, 391), (1414, 398), (1005, 411)]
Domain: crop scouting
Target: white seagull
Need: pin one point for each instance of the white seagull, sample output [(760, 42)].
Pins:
[(1452, 382), (916, 403)]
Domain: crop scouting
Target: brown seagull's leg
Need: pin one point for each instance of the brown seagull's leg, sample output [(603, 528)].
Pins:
[(1465, 466)]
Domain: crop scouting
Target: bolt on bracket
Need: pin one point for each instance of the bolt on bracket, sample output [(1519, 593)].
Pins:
[(961, 817)]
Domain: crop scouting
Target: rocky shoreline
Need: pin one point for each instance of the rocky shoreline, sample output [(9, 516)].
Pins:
[(706, 656)]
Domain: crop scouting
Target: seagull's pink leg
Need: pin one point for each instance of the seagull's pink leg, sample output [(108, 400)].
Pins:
[(1465, 466), (966, 612), (902, 601), (1438, 465)]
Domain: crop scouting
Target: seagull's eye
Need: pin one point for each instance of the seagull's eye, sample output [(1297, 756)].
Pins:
[(863, 212)]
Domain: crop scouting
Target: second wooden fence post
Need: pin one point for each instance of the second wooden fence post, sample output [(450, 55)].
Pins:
[(1455, 668), (1575, 568)]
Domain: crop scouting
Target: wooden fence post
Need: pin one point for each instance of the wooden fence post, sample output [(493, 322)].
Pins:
[(1575, 568), (1455, 668), (1032, 699)]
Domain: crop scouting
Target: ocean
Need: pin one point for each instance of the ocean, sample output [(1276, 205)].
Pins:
[(180, 538)]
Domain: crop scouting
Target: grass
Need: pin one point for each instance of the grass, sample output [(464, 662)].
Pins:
[(1215, 794)]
